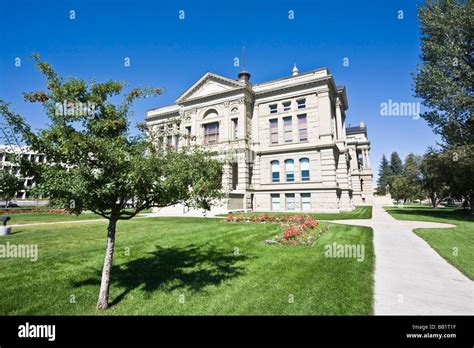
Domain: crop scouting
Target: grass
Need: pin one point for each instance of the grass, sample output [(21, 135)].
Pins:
[(360, 212), (456, 245), (30, 218), (219, 268)]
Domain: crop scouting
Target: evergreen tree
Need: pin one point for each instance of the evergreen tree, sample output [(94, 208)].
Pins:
[(396, 164), (384, 174)]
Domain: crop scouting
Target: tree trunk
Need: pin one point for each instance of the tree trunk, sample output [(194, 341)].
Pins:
[(471, 204), (103, 302), (434, 201)]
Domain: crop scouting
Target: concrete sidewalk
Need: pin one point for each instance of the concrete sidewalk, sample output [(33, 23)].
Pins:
[(410, 277)]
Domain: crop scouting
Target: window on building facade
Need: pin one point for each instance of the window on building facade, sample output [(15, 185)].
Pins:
[(306, 201), (304, 167), (235, 128), (273, 108), (275, 171), (290, 201), (274, 131), (211, 133), (290, 170), (210, 114), (287, 129), (302, 128), (235, 175), (301, 103), (169, 140), (287, 106), (275, 201), (250, 173), (188, 135)]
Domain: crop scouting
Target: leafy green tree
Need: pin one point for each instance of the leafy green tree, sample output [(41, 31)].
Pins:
[(9, 185), (445, 79), (384, 175), (411, 171), (459, 172), (411, 167), (396, 164), (399, 188), (433, 177), (98, 165)]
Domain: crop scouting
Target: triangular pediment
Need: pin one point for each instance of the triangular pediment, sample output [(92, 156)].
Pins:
[(208, 85)]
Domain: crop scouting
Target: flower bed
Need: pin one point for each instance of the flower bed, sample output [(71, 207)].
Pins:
[(298, 229)]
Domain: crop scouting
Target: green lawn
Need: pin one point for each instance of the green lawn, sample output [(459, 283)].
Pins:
[(197, 258), (456, 245), (29, 218), (360, 212)]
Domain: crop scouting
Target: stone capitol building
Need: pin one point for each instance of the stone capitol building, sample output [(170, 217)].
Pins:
[(290, 146)]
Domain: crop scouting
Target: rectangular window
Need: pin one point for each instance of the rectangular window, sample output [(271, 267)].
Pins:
[(211, 133), (290, 170), (302, 128), (235, 128), (306, 201), (188, 135), (287, 129), (169, 140), (275, 201), (301, 103), (275, 171), (274, 131), (273, 108), (304, 166), (287, 106), (250, 173), (235, 175), (290, 201)]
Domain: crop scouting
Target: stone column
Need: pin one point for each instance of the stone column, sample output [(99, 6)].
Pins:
[(368, 158), (339, 126), (364, 159), (325, 116)]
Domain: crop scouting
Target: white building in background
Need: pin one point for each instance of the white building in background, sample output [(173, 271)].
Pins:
[(7, 154), (291, 150)]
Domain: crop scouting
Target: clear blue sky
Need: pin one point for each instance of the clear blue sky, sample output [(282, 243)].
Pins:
[(172, 53)]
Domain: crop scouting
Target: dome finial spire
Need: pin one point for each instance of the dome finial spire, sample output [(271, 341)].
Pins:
[(295, 70), (244, 75)]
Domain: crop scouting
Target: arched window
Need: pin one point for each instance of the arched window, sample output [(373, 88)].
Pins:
[(304, 167), (290, 170), (210, 113), (275, 171)]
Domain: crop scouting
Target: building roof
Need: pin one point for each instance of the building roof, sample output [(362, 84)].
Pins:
[(356, 129)]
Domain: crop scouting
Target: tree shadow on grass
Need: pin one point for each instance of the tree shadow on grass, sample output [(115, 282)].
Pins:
[(190, 268), (441, 213)]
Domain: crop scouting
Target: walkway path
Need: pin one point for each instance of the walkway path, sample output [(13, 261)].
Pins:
[(410, 277)]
